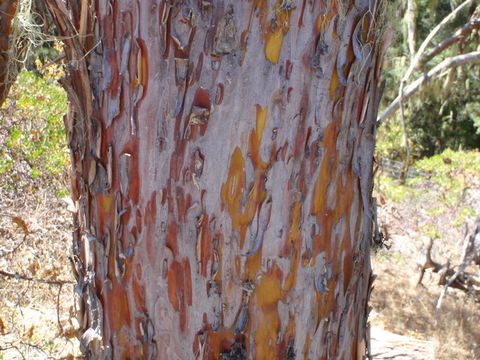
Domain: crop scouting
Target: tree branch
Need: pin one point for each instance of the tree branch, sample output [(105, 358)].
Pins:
[(459, 35), (449, 63), (27, 278), (416, 60)]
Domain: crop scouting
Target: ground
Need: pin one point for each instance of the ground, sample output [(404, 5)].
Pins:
[(412, 215)]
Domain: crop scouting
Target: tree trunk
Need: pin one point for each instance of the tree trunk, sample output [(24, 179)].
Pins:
[(222, 171), (410, 19), (8, 9)]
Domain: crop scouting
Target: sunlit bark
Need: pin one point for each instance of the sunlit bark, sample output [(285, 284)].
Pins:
[(222, 170)]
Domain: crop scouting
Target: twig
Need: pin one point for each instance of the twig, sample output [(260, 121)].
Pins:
[(404, 173), (13, 346), (58, 309), (27, 278), (54, 61)]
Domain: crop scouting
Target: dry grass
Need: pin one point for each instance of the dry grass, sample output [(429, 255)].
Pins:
[(402, 307), (35, 317)]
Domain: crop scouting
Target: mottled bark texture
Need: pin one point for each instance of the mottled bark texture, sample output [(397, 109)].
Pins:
[(8, 9), (222, 170)]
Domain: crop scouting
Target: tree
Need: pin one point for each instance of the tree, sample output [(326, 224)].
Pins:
[(435, 89), (222, 174), (7, 12)]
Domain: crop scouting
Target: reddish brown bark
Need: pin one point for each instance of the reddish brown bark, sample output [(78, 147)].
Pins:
[(222, 170), (8, 9)]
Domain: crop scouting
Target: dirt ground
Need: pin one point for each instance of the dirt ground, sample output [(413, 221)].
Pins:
[(36, 282), (402, 306)]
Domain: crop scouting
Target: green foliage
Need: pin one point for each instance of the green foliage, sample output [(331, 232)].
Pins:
[(430, 231), (393, 190), (448, 165), (445, 195), (446, 114), (442, 186), (32, 130)]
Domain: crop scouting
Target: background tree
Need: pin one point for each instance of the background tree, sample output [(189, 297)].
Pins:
[(7, 12), (222, 175), (440, 91)]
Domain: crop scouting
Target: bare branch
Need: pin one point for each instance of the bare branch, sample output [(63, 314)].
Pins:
[(416, 60), (458, 36), (449, 63), (27, 278)]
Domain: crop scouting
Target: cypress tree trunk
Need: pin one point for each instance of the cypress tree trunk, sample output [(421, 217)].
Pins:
[(222, 171)]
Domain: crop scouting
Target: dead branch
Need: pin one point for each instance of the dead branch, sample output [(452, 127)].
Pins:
[(429, 263), (459, 278), (27, 278), (459, 35)]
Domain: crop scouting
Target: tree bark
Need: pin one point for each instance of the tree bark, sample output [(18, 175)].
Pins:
[(8, 9), (222, 170)]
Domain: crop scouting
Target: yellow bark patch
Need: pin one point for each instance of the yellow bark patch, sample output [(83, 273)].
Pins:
[(274, 40), (234, 187), (294, 239), (273, 46), (307, 348), (261, 119), (106, 201)]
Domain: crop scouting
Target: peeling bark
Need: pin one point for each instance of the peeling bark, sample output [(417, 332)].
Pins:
[(222, 168)]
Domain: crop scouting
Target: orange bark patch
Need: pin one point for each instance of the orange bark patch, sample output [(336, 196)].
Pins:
[(132, 147), (267, 295), (117, 311), (205, 246), (151, 210), (180, 289), (138, 294), (142, 64), (233, 189), (172, 232)]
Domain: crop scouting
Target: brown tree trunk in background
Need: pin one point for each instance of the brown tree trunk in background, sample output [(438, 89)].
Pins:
[(222, 170), (8, 9)]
